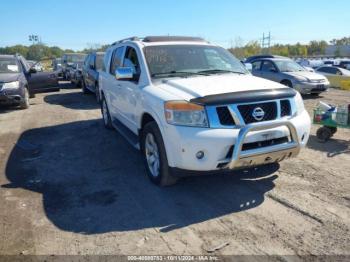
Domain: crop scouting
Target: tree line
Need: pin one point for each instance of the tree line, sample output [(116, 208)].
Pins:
[(42, 51), (301, 50)]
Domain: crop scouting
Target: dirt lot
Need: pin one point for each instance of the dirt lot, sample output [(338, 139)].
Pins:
[(69, 186)]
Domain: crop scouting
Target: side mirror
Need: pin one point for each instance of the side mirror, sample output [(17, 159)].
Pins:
[(32, 70), (248, 66), (124, 73)]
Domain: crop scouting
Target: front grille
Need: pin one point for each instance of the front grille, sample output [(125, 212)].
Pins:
[(255, 145), (224, 115), (285, 108), (269, 108)]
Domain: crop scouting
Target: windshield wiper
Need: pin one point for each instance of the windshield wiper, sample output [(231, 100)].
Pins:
[(176, 73), (218, 71)]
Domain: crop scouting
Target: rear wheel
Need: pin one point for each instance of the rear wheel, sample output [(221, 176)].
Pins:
[(84, 89), (25, 101), (155, 158)]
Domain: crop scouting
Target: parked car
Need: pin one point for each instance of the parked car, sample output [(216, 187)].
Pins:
[(334, 74), (68, 60), (193, 108), (57, 66), (19, 81), (74, 73), (92, 65), (291, 74), (343, 64)]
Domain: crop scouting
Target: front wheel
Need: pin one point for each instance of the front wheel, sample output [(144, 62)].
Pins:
[(155, 158), (25, 101)]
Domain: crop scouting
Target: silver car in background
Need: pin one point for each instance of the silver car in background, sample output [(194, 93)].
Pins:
[(290, 73)]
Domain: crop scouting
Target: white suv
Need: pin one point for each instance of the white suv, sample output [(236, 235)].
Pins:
[(191, 107)]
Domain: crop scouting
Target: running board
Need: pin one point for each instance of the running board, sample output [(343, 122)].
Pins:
[(126, 133)]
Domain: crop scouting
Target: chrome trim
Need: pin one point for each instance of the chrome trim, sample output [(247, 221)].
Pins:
[(238, 154), (214, 121)]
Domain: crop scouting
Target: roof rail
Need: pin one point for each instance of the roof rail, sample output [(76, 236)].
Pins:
[(133, 38), (172, 38)]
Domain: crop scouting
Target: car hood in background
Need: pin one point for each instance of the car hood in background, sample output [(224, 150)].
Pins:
[(9, 77), (199, 86), (306, 74)]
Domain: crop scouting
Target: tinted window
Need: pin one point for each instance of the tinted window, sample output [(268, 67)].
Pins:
[(92, 61), (256, 65), (86, 62), (116, 59), (131, 60), (268, 66), (99, 61), (322, 69)]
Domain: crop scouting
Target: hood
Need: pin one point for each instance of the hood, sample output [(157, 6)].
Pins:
[(306, 75), (193, 87), (9, 77)]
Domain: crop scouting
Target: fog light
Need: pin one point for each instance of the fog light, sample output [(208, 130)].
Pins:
[(200, 154)]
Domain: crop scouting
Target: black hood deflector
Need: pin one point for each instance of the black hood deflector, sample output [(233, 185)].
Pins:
[(245, 96)]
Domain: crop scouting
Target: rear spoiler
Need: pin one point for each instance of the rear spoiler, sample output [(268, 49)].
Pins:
[(245, 96)]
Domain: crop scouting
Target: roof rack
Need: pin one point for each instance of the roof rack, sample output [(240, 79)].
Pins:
[(133, 38), (162, 39), (172, 38)]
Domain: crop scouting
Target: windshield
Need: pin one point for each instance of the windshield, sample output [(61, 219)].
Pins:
[(8, 65), (168, 60), (288, 66)]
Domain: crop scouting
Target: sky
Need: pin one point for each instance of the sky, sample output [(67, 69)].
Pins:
[(77, 24)]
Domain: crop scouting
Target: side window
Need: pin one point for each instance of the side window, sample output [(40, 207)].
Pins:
[(332, 70), (92, 61), (116, 60), (86, 62), (267, 66), (256, 65), (321, 69), (131, 60)]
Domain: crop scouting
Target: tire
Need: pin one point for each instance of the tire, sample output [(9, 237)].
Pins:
[(84, 89), (31, 95), (287, 83), (106, 117), (25, 102), (97, 93), (324, 134), (154, 154)]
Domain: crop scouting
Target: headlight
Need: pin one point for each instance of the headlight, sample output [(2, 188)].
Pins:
[(299, 103), (302, 80), (11, 85), (185, 114)]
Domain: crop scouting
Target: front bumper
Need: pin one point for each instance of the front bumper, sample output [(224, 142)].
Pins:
[(229, 148), (12, 96), (309, 88)]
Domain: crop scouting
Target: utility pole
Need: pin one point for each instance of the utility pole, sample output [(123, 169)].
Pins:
[(35, 39), (266, 43)]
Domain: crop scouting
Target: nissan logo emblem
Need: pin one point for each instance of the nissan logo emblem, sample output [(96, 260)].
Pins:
[(258, 113)]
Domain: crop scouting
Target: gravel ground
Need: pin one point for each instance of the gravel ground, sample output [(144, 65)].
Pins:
[(69, 186)]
